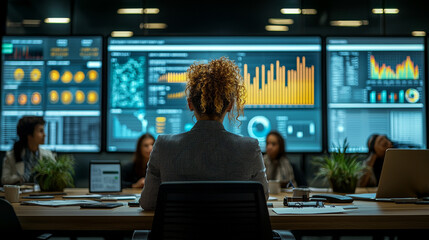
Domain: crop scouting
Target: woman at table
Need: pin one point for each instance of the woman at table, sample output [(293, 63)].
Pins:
[(207, 152), (19, 162), (278, 165), (133, 173), (377, 146)]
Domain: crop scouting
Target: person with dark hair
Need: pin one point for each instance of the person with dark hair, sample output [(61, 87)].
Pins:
[(207, 152), (277, 164), (19, 162), (134, 173), (377, 146)]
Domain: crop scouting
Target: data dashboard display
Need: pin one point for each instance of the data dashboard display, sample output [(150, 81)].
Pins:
[(376, 85), (58, 78), (147, 79)]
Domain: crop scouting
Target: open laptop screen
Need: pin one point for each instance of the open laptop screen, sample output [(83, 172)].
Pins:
[(105, 176)]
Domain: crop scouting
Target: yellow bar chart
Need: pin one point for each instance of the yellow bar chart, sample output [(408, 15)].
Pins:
[(173, 77), (274, 85)]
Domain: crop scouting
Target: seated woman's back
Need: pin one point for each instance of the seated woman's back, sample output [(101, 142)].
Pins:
[(207, 152)]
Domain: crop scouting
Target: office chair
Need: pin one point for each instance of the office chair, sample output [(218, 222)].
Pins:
[(10, 225), (211, 210)]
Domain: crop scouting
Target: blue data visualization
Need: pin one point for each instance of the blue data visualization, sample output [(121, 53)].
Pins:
[(376, 85), (58, 78), (147, 79)]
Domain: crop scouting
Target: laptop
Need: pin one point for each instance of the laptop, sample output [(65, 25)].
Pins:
[(404, 175), (105, 180)]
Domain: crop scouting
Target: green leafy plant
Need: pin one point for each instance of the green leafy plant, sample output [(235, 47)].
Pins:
[(340, 168), (55, 175)]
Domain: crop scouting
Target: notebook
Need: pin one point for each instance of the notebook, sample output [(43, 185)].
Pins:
[(404, 175)]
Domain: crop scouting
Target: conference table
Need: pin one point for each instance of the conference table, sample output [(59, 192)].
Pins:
[(368, 215)]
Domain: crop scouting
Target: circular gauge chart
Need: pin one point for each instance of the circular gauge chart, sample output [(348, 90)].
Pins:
[(92, 97), (10, 99), (412, 95), (18, 74), (92, 75), (259, 127), (66, 97), (79, 97), (67, 77), (54, 75), (79, 77), (22, 99), (53, 96), (35, 75), (36, 98)]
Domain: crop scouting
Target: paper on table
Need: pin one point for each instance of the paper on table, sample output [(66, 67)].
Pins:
[(272, 198), (83, 196), (56, 203), (309, 210)]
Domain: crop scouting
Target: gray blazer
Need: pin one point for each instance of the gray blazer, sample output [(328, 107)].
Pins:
[(207, 152)]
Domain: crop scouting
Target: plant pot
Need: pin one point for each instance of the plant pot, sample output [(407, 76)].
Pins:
[(347, 186)]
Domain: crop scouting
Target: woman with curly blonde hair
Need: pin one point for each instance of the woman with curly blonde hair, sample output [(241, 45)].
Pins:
[(207, 152)]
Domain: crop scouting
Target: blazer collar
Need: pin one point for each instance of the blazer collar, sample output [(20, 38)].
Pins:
[(207, 125)]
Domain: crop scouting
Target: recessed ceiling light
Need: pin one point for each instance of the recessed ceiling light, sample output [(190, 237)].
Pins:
[(309, 11), (276, 28), (280, 21), (385, 10), (151, 10), (155, 25), (130, 11), (31, 22), (290, 11), (418, 33), (349, 23), (122, 34), (57, 20)]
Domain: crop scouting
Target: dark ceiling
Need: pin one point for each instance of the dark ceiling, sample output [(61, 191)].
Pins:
[(218, 17)]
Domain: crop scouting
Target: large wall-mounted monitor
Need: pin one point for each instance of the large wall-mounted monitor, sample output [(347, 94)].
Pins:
[(58, 78), (376, 85), (147, 78)]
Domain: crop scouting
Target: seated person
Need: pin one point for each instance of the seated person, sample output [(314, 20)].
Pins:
[(278, 166), (377, 146), (207, 152), (19, 162), (133, 173)]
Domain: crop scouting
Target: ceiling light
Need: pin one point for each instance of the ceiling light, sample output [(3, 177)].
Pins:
[(309, 11), (349, 23), (385, 10), (418, 33), (31, 22), (57, 20), (290, 11), (155, 25), (122, 34), (138, 11), (130, 11), (391, 11), (280, 21), (151, 10), (276, 28)]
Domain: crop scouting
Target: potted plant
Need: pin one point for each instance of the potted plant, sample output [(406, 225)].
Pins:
[(55, 175), (340, 168)]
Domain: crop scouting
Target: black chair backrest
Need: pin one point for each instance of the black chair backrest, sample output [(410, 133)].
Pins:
[(9, 222), (211, 210)]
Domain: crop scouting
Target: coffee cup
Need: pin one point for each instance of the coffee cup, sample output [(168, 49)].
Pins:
[(11, 193), (274, 186)]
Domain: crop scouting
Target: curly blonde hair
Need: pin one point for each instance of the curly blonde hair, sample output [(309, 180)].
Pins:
[(213, 86)]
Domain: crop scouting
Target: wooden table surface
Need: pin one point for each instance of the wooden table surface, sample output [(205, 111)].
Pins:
[(368, 216)]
